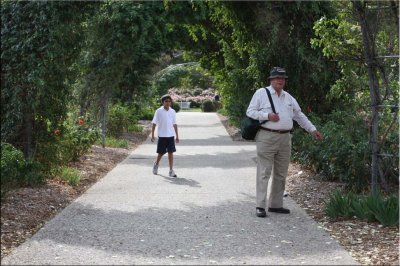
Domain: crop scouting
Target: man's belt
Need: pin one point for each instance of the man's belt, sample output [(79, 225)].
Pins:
[(275, 130)]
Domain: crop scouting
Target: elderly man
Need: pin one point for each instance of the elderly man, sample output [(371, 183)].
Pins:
[(274, 139)]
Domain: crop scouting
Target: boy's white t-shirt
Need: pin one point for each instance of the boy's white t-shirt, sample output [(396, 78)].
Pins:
[(165, 121)]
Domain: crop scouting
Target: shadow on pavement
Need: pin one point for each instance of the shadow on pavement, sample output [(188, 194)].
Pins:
[(221, 160), (181, 181)]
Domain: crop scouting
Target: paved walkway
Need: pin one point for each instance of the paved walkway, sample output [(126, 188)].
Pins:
[(205, 216)]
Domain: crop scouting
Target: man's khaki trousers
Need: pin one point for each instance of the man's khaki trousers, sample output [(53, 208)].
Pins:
[(273, 157)]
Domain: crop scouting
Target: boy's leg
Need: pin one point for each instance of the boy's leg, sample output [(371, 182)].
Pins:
[(171, 149), (171, 160), (161, 149), (171, 164), (159, 156), (155, 166)]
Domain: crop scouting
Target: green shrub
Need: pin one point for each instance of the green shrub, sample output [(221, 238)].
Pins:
[(194, 104), (16, 171), (78, 138), (197, 92), (51, 153), (71, 175), (33, 173), (217, 105), (135, 128), (146, 112), (147, 116), (223, 112), (12, 162), (119, 119), (359, 209), (176, 107), (338, 205), (344, 153), (207, 106), (372, 208), (386, 211)]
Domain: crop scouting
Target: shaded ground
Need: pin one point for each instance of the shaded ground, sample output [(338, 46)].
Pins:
[(27, 209)]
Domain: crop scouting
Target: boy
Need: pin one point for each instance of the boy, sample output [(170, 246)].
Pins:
[(165, 119)]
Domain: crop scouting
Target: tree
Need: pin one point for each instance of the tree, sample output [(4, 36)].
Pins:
[(359, 38), (40, 41), (374, 65), (123, 40), (239, 51)]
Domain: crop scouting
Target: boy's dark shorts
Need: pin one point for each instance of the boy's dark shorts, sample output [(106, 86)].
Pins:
[(166, 144)]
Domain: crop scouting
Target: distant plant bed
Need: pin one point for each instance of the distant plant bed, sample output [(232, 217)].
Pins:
[(195, 98), (193, 110)]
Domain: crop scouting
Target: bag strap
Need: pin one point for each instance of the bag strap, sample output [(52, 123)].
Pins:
[(272, 104), (270, 100)]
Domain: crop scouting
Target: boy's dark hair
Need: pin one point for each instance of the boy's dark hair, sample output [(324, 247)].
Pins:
[(166, 96)]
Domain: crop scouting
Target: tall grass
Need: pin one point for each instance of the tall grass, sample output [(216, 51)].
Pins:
[(115, 143), (71, 175), (374, 207)]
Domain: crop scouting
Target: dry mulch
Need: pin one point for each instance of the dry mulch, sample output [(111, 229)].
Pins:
[(25, 211), (368, 243)]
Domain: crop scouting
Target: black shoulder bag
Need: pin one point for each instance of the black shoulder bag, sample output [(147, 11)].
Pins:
[(249, 126)]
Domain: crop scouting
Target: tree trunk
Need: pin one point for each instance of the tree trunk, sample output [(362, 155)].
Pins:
[(103, 118), (395, 10), (28, 135), (370, 60)]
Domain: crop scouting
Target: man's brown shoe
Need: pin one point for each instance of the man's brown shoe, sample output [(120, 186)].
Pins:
[(279, 210), (260, 212)]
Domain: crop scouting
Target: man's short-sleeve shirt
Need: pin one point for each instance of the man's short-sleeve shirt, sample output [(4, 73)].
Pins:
[(165, 121)]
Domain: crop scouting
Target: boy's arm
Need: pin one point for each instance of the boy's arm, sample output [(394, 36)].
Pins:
[(176, 133), (152, 132), (154, 122)]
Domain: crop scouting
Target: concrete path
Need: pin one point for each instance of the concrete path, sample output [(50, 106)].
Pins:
[(205, 216)]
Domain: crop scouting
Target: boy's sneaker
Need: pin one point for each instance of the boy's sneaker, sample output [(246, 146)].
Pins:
[(155, 169), (172, 173)]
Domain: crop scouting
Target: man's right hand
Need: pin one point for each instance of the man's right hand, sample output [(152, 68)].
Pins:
[(152, 138), (317, 135)]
